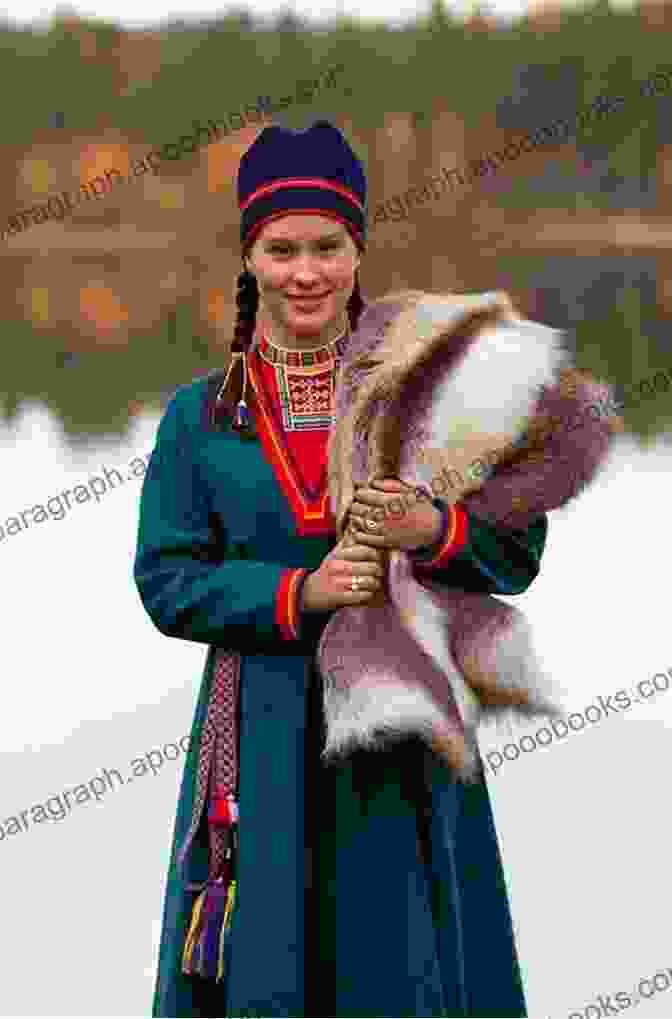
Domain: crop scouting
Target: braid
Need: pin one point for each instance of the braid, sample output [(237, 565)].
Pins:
[(247, 300)]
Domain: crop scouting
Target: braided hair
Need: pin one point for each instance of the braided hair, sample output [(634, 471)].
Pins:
[(247, 300)]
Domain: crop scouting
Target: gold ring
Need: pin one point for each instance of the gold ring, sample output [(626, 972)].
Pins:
[(355, 583)]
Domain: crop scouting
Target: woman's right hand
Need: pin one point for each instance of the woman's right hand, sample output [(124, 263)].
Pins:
[(330, 586)]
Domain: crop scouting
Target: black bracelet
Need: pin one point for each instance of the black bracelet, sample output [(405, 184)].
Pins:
[(429, 551)]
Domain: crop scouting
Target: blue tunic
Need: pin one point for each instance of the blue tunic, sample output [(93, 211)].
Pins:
[(372, 887)]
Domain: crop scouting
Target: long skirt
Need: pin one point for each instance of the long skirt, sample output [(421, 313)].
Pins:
[(405, 910)]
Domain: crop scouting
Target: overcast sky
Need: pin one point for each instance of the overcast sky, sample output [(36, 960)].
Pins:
[(145, 13)]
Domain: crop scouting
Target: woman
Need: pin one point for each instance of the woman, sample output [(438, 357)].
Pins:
[(373, 887)]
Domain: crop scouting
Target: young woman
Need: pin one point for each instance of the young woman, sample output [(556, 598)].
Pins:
[(369, 888)]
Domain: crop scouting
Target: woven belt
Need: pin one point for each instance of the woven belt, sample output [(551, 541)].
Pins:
[(217, 772)]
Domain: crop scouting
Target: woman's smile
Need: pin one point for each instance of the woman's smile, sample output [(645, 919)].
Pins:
[(308, 303)]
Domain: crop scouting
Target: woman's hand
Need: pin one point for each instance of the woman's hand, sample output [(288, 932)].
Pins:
[(330, 586), (405, 517)]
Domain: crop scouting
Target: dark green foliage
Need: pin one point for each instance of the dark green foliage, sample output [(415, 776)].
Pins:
[(208, 70)]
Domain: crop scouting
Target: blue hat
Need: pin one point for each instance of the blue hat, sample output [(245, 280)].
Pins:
[(314, 170)]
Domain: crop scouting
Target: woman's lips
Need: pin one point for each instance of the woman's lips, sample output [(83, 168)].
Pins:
[(308, 302)]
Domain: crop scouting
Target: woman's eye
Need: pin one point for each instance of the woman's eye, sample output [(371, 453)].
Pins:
[(286, 251)]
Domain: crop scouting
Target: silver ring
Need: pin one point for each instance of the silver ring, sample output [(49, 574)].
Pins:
[(354, 584), (372, 524)]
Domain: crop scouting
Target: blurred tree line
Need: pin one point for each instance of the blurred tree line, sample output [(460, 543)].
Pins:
[(529, 73)]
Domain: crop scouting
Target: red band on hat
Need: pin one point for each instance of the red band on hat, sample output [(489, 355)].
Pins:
[(303, 182)]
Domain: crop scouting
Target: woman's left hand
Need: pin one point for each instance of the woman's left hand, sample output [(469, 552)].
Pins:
[(415, 522)]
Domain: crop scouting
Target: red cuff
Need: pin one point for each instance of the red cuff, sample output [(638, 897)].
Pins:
[(287, 614), (456, 539)]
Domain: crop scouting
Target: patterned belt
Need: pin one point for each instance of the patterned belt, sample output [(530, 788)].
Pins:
[(219, 740), (205, 948)]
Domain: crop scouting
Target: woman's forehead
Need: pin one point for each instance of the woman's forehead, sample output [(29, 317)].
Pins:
[(301, 228)]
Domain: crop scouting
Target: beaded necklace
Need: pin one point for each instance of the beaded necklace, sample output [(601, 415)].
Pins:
[(305, 380)]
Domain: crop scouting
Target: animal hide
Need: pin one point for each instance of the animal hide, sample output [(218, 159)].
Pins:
[(463, 384)]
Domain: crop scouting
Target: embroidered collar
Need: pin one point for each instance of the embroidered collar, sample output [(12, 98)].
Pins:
[(326, 354)]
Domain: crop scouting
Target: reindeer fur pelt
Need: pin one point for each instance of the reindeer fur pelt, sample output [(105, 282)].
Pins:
[(434, 381)]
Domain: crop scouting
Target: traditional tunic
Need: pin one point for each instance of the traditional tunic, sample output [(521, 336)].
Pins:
[(373, 887)]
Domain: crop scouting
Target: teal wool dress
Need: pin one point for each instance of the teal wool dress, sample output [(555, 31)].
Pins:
[(371, 887)]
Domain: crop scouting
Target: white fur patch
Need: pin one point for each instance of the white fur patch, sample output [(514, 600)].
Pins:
[(486, 400), (353, 719), (495, 387), (369, 715)]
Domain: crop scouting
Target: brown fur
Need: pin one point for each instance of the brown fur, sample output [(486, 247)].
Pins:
[(385, 374)]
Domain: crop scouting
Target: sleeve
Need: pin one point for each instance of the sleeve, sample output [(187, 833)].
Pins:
[(483, 557), (190, 582)]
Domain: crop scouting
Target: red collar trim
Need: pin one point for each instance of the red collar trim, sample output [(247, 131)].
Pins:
[(310, 507)]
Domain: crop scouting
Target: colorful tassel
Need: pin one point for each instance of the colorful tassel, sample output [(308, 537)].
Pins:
[(210, 930), (241, 421), (194, 929), (242, 416), (226, 928)]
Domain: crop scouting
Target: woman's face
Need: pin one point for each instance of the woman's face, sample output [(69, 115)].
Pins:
[(304, 256)]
